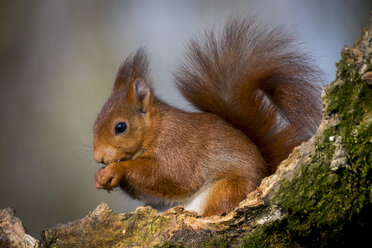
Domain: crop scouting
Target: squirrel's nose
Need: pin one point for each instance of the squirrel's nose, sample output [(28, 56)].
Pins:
[(98, 157), (104, 154)]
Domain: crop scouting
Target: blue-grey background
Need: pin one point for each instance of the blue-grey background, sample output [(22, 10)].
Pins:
[(58, 60)]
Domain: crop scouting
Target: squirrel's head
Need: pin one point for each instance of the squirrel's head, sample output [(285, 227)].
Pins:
[(120, 129)]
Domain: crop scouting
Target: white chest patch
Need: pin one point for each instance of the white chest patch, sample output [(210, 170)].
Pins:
[(197, 201)]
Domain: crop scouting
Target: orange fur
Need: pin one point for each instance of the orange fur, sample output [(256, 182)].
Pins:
[(258, 100)]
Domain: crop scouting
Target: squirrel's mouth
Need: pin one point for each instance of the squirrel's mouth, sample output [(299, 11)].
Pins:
[(105, 162), (126, 157)]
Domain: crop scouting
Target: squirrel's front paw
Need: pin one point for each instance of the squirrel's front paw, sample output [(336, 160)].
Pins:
[(107, 178)]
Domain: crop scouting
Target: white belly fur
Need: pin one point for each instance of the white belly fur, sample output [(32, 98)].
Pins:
[(197, 201)]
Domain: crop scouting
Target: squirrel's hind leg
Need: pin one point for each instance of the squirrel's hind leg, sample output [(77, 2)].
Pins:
[(225, 195)]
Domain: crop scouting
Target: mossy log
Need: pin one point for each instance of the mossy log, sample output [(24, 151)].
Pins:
[(320, 196)]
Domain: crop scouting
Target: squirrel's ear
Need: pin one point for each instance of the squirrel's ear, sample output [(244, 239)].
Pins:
[(135, 66), (140, 94)]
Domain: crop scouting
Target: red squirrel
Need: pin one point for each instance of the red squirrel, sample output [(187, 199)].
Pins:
[(258, 98)]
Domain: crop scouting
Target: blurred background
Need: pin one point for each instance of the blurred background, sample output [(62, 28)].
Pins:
[(58, 60)]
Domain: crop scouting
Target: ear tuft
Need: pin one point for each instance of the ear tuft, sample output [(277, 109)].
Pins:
[(135, 66)]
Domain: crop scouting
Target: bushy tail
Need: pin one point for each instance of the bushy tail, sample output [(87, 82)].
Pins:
[(255, 79)]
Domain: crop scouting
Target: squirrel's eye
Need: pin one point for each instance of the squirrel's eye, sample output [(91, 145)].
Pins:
[(120, 128)]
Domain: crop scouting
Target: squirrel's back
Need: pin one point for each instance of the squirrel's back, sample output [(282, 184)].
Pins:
[(255, 79)]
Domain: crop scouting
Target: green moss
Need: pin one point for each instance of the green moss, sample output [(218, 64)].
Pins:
[(276, 238), (325, 207), (168, 245), (218, 242)]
